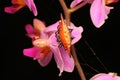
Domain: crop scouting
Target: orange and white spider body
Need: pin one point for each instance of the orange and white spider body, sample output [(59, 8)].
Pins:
[(64, 36)]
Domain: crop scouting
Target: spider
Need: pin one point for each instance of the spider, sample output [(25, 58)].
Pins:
[(63, 35)]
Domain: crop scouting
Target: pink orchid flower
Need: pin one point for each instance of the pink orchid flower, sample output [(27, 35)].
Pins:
[(18, 4), (40, 50), (99, 11), (75, 2), (46, 45), (76, 34), (104, 76)]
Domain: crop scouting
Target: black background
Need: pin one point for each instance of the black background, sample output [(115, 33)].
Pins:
[(104, 41)]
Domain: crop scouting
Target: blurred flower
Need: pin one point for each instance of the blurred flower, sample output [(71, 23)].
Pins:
[(104, 76), (99, 11), (18, 4), (75, 2), (110, 1), (41, 49)]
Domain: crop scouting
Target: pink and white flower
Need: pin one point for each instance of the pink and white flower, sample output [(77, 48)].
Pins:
[(18, 4)]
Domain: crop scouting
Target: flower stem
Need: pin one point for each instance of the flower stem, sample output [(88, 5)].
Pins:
[(77, 64), (67, 13)]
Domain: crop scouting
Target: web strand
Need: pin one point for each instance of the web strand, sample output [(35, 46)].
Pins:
[(98, 59)]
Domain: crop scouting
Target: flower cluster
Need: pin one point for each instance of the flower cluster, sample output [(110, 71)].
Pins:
[(46, 45), (56, 39), (18, 4)]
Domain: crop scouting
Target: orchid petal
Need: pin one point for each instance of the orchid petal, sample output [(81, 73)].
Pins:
[(32, 7), (111, 1), (102, 76), (52, 28), (41, 43), (17, 5), (14, 2), (98, 12), (75, 2), (107, 10), (29, 28), (68, 60), (12, 9), (90, 1), (31, 52), (46, 60), (114, 75), (53, 40), (58, 58), (38, 25), (31, 32), (117, 78), (76, 33)]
